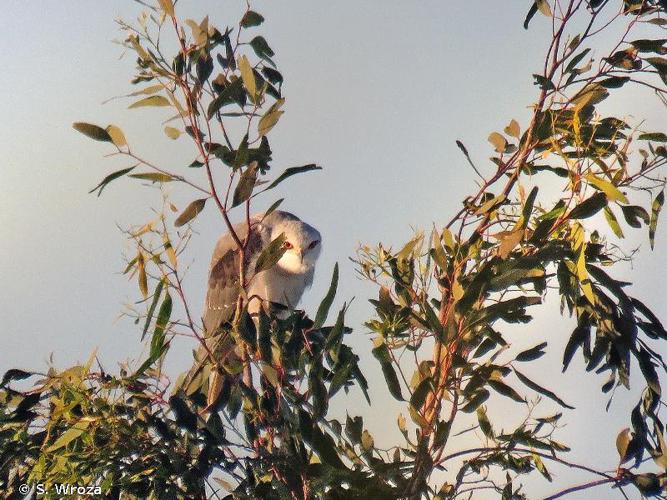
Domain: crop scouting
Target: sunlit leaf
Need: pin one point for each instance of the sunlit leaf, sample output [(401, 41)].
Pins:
[(270, 118), (172, 132), (117, 136), (498, 142), (513, 129), (612, 192), (167, 6), (248, 76), (154, 100), (190, 212)]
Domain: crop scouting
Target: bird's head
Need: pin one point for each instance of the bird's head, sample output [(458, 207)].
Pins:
[(302, 245)]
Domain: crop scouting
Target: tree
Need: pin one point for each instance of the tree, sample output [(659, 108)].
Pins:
[(443, 301)]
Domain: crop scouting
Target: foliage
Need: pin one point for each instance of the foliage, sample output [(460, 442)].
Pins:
[(444, 301)]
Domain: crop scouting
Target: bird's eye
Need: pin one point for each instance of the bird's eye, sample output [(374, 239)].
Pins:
[(313, 244), (287, 245)]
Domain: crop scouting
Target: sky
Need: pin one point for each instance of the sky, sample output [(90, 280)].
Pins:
[(376, 92)]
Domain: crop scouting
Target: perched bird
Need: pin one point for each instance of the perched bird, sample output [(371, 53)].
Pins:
[(283, 283)]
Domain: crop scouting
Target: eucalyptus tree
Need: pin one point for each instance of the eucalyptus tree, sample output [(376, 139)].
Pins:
[(441, 315)]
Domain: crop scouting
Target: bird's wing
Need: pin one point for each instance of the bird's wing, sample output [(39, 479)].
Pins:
[(223, 278)]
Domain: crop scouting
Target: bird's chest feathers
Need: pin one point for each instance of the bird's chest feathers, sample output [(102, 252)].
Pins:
[(274, 285)]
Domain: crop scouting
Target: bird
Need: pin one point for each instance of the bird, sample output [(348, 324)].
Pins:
[(283, 283)]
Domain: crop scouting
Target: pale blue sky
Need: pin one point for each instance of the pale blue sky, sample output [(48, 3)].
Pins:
[(377, 93)]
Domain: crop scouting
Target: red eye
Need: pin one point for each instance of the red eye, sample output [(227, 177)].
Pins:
[(313, 244), (287, 245)]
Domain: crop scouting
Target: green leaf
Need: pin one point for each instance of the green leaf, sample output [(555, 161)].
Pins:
[(325, 448), (576, 60), (225, 97), (613, 222), (381, 353), (614, 82), (655, 212), (543, 82), (660, 64), (14, 374), (273, 207), (531, 13), (323, 309), (607, 188), (154, 100), (354, 428), (271, 254), (290, 172), (474, 402), (421, 391), (92, 131), (119, 173), (245, 185), (185, 417), (149, 315), (653, 136), (190, 212), (527, 209), (633, 213), (153, 177), (261, 48), (163, 315), (251, 18), (505, 390), (657, 45), (532, 354), (484, 423), (589, 207), (579, 336), (538, 388), (69, 435)]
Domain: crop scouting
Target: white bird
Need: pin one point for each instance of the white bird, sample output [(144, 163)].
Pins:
[(283, 283)]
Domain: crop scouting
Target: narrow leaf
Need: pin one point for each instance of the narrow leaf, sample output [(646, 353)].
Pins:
[(270, 255), (538, 388), (119, 173), (149, 315), (154, 100), (323, 309), (655, 212), (245, 185), (248, 76), (190, 212), (92, 131)]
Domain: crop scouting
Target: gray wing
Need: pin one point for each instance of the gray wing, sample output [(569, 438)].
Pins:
[(223, 278)]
